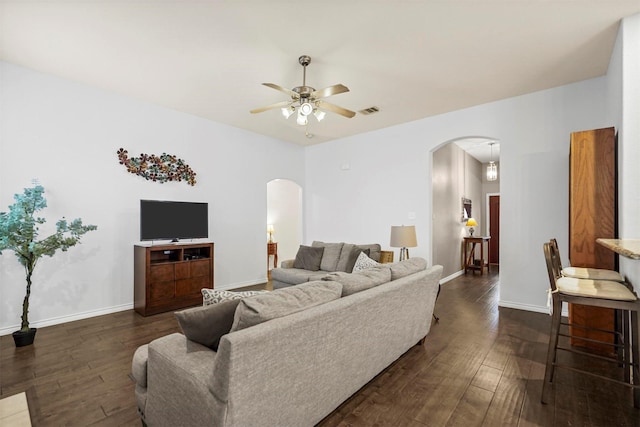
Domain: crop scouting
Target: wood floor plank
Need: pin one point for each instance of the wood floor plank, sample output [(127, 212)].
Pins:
[(472, 408), (487, 378)]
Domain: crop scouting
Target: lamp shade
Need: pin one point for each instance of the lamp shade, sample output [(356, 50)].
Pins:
[(403, 236), (472, 222)]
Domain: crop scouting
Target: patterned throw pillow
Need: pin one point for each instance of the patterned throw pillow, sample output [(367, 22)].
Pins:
[(363, 262), (214, 296)]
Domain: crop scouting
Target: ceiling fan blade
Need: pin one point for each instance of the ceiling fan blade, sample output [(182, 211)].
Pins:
[(289, 92), (328, 91), (335, 109), (271, 107)]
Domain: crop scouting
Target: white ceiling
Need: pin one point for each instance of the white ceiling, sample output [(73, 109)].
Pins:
[(412, 59), (483, 149)]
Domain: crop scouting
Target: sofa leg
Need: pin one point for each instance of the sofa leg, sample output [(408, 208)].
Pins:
[(422, 341)]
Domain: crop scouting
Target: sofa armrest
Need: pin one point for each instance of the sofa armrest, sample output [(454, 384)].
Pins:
[(139, 365), (287, 263), (179, 373), (139, 373)]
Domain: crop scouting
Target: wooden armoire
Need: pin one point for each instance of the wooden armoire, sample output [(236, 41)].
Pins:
[(593, 214)]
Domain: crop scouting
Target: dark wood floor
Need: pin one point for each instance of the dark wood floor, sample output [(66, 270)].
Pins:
[(480, 366)]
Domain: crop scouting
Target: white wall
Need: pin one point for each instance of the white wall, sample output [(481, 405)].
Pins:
[(624, 71), (66, 135), (390, 176)]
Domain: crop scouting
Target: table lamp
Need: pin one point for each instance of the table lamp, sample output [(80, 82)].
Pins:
[(270, 231), (471, 223), (403, 237)]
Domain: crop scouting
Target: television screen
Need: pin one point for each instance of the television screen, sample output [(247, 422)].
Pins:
[(173, 220)]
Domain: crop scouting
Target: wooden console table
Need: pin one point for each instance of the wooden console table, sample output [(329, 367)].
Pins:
[(470, 262)]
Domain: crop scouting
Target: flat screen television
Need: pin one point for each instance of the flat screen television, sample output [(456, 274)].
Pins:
[(161, 220)]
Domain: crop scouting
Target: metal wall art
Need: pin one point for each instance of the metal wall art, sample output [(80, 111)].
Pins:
[(162, 168)]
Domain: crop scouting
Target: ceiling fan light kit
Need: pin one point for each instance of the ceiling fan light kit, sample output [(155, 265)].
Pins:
[(288, 111), (306, 109), (307, 99)]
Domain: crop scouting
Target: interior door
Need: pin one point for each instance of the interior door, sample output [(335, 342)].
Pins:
[(494, 228)]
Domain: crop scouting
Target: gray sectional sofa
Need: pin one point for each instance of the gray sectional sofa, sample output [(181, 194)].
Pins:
[(283, 364), (335, 257)]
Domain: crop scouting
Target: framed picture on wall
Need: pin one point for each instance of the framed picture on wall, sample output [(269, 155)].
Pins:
[(466, 209)]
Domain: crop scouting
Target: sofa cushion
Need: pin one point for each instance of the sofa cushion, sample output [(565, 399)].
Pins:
[(330, 256), (345, 255), (407, 267), (206, 325), (295, 276), (361, 280), (374, 250), (308, 258), (282, 302), (349, 257), (214, 296), (363, 262)]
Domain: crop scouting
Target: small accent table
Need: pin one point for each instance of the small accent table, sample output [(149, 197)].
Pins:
[(272, 249), (470, 261)]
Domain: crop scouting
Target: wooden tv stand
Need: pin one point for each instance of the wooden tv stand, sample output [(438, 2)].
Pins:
[(170, 277)]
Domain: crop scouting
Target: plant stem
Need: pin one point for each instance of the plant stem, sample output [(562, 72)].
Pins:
[(24, 327)]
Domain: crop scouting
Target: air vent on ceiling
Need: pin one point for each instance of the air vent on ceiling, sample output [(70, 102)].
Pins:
[(370, 110)]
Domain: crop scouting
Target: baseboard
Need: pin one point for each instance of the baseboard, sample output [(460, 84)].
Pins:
[(451, 277), (238, 285), (70, 318), (528, 307), (7, 330)]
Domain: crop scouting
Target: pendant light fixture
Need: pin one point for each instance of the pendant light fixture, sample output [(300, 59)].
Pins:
[(492, 169)]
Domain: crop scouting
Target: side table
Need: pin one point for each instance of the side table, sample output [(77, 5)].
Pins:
[(470, 261), (272, 249)]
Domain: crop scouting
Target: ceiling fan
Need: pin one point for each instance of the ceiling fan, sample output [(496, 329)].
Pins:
[(306, 99)]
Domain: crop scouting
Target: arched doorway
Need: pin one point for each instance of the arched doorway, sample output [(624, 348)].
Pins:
[(459, 172), (284, 214)]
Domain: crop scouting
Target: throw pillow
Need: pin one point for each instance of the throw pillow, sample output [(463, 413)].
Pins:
[(308, 258), (363, 262), (353, 257), (374, 250), (206, 325), (330, 256), (282, 302), (214, 296)]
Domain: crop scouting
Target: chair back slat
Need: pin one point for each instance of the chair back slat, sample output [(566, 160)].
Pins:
[(554, 244), (552, 257)]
